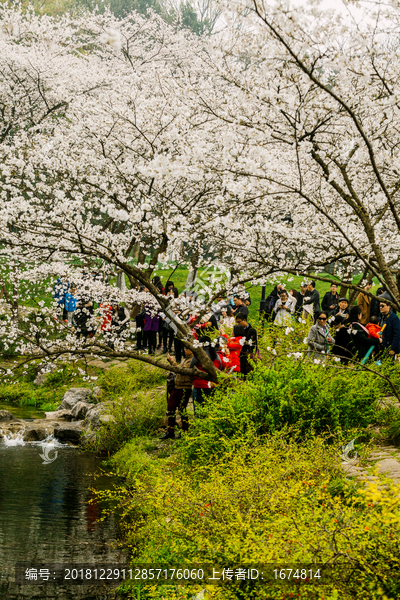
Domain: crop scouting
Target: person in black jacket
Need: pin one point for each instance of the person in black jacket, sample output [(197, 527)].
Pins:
[(250, 345), (271, 301), (140, 338), (240, 307), (300, 299), (375, 312), (311, 302), (390, 329), (330, 300), (157, 282), (82, 316), (342, 339), (360, 342)]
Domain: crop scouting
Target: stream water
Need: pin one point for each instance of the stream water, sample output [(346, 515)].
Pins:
[(49, 515)]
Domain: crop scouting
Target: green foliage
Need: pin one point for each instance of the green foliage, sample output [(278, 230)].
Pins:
[(23, 392), (120, 8), (186, 15), (282, 503), (137, 400), (138, 415), (392, 433), (305, 398), (137, 376)]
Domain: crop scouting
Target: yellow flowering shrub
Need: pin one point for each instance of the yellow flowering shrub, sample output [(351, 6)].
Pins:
[(271, 506)]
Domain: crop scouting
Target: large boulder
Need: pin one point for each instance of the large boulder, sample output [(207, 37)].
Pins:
[(69, 432), (73, 396), (6, 416), (80, 409)]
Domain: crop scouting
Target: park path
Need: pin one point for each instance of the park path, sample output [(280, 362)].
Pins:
[(382, 460)]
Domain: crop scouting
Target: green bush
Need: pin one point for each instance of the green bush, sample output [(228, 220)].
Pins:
[(138, 415), (46, 397), (281, 504), (305, 398)]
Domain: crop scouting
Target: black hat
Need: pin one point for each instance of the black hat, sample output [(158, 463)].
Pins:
[(343, 300)]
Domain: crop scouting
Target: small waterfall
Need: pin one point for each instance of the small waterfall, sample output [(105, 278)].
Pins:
[(50, 439), (14, 439)]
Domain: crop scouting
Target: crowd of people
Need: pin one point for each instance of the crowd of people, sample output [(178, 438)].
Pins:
[(369, 328), (225, 333), (365, 330)]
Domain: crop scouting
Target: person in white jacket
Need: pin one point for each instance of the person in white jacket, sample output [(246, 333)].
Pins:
[(284, 309)]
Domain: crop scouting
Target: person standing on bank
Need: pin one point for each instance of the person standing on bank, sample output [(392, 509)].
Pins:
[(250, 344), (364, 302), (151, 325), (311, 301), (271, 301), (204, 388), (120, 321), (71, 302), (319, 338), (179, 396), (342, 338), (284, 309), (240, 307), (390, 329), (330, 300), (60, 291), (300, 299)]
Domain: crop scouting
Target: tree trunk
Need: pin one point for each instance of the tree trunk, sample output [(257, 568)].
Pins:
[(121, 283), (191, 278)]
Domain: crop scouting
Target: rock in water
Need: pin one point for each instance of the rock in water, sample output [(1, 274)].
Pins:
[(69, 432), (73, 396), (5, 415), (36, 433)]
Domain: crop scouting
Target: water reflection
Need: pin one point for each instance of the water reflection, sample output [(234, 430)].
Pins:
[(46, 517)]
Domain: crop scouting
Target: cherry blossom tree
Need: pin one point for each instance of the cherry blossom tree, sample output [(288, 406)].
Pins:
[(269, 147), (95, 164), (305, 104)]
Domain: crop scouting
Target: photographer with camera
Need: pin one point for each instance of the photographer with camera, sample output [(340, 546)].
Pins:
[(284, 309)]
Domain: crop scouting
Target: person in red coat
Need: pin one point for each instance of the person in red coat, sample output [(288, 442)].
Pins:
[(233, 351), (105, 310)]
